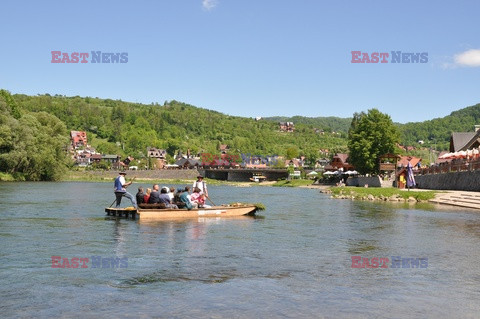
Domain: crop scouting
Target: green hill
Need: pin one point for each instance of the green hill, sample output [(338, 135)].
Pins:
[(437, 131), (328, 124), (129, 128), (34, 131)]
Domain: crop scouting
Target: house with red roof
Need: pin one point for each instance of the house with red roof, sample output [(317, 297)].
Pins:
[(78, 138), (339, 162)]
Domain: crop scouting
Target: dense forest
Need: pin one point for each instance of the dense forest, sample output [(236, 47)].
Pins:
[(435, 133), (118, 127), (327, 123), (32, 144), (34, 131)]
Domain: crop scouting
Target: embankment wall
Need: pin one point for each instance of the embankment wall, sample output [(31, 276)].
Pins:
[(361, 181), (145, 174), (465, 181)]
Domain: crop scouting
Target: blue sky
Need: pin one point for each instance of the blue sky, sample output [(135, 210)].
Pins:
[(250, 58)]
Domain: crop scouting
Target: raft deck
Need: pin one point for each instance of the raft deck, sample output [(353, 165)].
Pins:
[(129, 213)]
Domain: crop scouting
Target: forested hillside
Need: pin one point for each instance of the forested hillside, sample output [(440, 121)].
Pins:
[(328, 124), (32, 144), (34, 131), (129, 128), (435, 133), (438, 131)]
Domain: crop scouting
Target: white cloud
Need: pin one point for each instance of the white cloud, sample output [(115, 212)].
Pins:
[(209, 4), (469, 58)]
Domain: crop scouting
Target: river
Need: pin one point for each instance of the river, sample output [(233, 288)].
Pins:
[(294, 261)]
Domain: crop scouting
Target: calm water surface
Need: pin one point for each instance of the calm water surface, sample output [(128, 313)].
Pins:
[(294, 262)]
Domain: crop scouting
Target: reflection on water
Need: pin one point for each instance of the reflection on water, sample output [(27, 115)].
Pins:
[(293, 261)]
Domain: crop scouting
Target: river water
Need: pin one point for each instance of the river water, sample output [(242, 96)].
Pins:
[(294, 261)]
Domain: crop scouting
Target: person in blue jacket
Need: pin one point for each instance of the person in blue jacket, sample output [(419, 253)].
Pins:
[(120, 190), (183, 196)]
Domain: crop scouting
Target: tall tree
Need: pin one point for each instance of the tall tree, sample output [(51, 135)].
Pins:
[(370, 135)]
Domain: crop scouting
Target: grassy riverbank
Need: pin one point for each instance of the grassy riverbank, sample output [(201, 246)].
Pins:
[(82, 176), (386, 194), (5, 177)]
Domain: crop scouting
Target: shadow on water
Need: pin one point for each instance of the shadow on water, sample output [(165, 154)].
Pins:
[(208, 276)]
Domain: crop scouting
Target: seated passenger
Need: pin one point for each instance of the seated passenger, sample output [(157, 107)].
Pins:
[(165, 199), (184, 199), (199, 198), (140, 195), (171, 193), (154, 195), (176, 196), (146, 197)]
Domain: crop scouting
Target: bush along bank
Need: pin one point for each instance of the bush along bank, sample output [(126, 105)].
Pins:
[(379, 194)]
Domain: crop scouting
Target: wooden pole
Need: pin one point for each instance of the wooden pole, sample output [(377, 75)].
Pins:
[(210, 200)]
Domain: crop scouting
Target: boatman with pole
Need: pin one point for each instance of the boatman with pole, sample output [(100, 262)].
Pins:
[(120, 190), (202, 185)]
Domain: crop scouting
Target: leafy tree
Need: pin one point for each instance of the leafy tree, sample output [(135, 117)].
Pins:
[(292, 152), (371, 135)]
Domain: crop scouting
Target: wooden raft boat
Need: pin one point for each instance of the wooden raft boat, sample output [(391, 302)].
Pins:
[(165, 213)]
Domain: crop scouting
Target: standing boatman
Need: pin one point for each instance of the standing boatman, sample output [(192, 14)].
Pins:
[(120, 190), (200, 183)]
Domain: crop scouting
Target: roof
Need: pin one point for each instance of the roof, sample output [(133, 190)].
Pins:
[(187, 161), (474, 142), (106, 156), (459, 139), (403, 161), (156, 152), (342, 156), (442, 160)]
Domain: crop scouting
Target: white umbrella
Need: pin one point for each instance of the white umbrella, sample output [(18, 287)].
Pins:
[(328, 173), (462, 154), (351, 172)]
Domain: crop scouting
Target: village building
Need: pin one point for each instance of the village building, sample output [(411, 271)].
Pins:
[(187, 163), (295, 162), (157, 157), (224, 149), (111, 159), (321, 163), (414, 161), (339, 162), (286, 126), (462, 141), (96, 158), (156, 153), (78, 139)]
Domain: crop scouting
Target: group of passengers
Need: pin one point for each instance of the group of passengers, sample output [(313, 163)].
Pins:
[(174, 199)]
